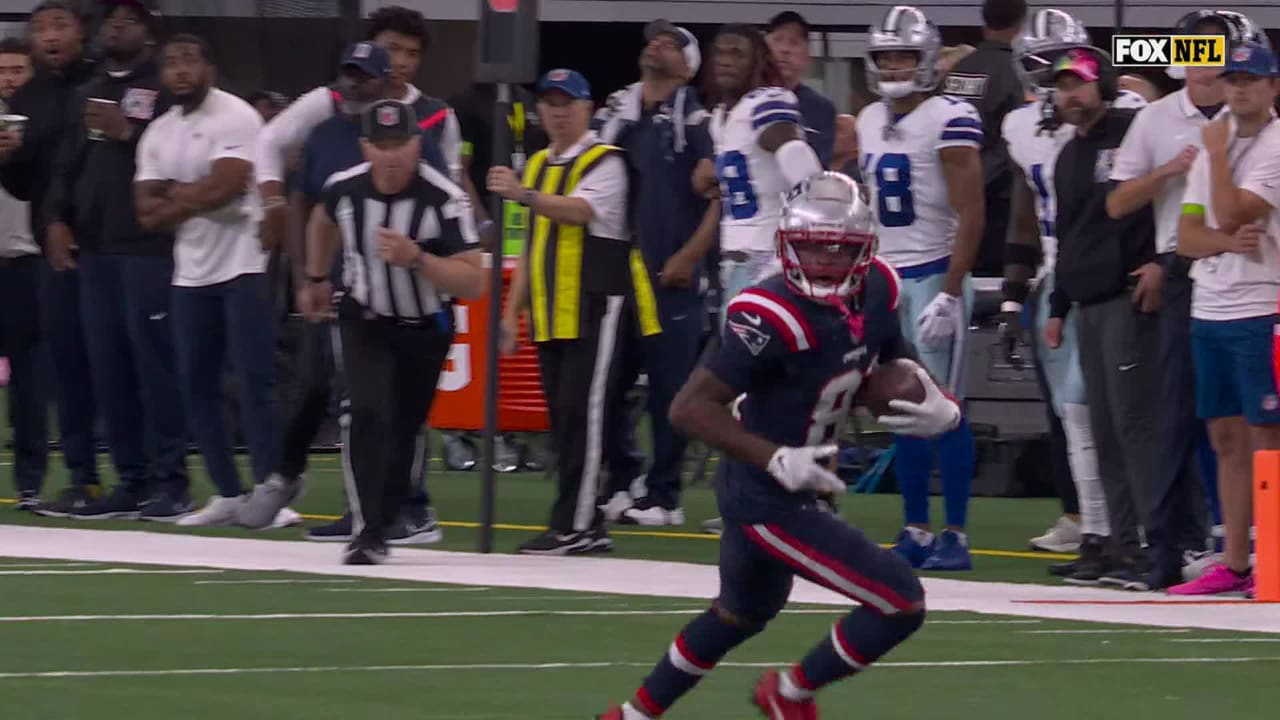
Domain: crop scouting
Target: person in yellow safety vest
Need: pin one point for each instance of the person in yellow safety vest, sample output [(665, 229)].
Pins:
[(578, 274)]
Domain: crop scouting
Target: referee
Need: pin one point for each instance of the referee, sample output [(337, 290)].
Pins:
[(410, 245), (578, 273)]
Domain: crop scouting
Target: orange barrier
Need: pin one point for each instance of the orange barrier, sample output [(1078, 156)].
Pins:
[(1266, 520), (459, 402)]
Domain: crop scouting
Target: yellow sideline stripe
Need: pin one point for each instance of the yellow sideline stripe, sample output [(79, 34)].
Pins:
[(664, 534)]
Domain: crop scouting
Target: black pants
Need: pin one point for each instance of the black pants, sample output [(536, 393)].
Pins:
[(125, 302), (72, 379), (28, 392), (1119, 356), (391, 370), (1176, 512), (578, 379)]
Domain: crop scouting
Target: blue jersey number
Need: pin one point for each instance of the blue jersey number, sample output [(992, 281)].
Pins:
[(735, 186), (893, 191), (1042, 197)]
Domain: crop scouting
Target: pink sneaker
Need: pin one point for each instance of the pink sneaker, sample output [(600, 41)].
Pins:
[(1217, 580)]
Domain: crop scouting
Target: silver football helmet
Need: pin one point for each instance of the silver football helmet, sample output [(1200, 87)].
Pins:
[(826, 237), (904, 28), (1046, 35)]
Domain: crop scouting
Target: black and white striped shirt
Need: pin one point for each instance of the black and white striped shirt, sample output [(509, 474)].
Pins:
[(432, 210)]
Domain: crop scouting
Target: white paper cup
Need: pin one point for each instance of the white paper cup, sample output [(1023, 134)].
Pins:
[(98, 134), (13, 123)]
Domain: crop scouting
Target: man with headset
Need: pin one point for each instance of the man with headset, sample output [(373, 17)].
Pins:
[(1107, 271)]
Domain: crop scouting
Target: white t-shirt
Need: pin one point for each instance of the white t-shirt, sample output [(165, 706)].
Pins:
[(15, 227), (604, 188), (291, 127), (1234, 286), (221, 244), (1158, 133)]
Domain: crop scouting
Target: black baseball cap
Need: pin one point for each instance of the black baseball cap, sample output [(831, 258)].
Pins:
[(389, 120), (370, 59), (787, 17)]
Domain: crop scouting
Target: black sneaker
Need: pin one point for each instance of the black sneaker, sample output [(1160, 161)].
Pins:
[(69, 499), (1092, 563), (337, 531), (1126, 574), (600, 540), (165, 507), (1161, 579), (554, 542), (416, 526), (364, 552), (122, 503), (27, 500), (1066, 569)]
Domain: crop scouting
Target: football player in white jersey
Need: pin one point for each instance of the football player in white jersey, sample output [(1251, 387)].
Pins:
[(760, 155), (1035, 135), (920, 161)]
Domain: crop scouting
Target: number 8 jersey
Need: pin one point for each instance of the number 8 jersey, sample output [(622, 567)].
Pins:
[(752, 186), (902, 166)]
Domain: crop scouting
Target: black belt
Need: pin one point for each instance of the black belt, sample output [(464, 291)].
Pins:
[(351, 309), (1178, 266)]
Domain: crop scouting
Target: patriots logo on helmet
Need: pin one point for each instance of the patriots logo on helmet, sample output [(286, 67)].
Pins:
[(1240, 54), (388, 116)]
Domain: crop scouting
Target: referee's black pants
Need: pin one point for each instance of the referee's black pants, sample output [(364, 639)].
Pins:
[(391, 370), (578, 379)]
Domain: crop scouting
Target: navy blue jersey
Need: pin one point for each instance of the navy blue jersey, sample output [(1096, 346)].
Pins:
[(796, 365)]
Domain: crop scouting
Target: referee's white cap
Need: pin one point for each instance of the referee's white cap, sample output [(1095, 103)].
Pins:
[(685, 39)]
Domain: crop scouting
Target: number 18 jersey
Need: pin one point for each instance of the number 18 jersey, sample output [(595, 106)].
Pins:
[(902, 165), (752, 186)]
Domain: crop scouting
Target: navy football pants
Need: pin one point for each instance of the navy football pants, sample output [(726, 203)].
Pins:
[(758, 562)]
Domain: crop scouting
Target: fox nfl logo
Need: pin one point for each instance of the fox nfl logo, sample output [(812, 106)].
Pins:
[(1167, 50)]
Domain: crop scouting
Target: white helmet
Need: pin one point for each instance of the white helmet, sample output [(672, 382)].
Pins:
[(904, 28), (1046, 34), (826, 237)]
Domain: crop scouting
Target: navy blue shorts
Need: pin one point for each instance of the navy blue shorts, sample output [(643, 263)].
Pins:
[(1234, 376), (758, 562)]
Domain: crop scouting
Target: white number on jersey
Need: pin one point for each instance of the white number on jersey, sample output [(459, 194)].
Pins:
[(833, 408)]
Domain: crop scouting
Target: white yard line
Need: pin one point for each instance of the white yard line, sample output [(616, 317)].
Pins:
[(593, 575), (421, 590), (1227, 640), (1103, 631), (35, 566), (110, 571), (273, 582), (600, 665)]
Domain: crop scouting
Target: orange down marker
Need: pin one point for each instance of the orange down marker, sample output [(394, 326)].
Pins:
[(1266, 519)]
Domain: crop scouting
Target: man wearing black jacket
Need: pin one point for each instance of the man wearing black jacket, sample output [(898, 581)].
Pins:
[(125, 273), (26, 166), (1107, 272)]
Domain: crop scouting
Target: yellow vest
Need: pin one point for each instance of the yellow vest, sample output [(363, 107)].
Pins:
[(559, 255)]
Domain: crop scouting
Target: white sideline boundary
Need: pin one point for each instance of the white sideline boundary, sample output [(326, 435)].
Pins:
[(598, 665), (608, 575)]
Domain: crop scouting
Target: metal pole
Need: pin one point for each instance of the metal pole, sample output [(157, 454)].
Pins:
[(1119, 6), (488, 496)]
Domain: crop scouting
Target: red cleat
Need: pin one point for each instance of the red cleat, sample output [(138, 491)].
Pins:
[(768, 697), (613, 713)]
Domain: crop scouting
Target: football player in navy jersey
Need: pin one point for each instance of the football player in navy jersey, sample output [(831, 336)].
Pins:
[(795, 351)]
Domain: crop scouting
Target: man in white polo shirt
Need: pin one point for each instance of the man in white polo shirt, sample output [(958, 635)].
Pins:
[(195, 176), (1151, 167), (1230, 225)]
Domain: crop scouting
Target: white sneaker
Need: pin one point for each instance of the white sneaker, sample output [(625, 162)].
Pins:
[(618, 504), (652, 516), (219, 511), (1063, 537), (287, 517)]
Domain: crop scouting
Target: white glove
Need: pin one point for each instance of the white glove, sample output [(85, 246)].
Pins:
[(805, 468), (934, 416), (939, 321)]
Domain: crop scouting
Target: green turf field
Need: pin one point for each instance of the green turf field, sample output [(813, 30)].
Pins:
[(472, 652), (524, 661)]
